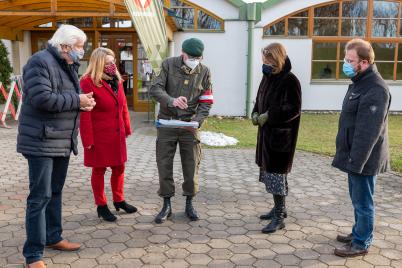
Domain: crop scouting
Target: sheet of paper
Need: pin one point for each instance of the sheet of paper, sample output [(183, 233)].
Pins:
[(175, 123)]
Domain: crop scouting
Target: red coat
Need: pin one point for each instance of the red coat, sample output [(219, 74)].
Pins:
[(106, 127)]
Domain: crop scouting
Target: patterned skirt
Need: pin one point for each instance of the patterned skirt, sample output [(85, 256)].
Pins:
[(275, 183)]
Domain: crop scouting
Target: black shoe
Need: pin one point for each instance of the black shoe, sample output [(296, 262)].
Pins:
[(125, 206), (270, 215), (104, 213), (190, 211), (166, 211), (344, 238), (275, 225), (350, 250)]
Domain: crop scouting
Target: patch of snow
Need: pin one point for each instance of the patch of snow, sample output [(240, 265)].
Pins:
[(216, 139)]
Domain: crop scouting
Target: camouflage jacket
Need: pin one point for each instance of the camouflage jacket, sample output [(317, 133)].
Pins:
[(175, 80)]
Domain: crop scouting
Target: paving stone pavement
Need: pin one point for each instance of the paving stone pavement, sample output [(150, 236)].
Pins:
[(230, 201)]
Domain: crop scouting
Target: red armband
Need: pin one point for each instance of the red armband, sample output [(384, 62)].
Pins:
[(207, 97)]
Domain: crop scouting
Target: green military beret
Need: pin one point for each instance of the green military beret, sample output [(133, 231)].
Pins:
[(193, 47)]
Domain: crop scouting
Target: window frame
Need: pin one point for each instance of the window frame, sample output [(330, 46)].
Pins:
[(196, 9), (397, 40)]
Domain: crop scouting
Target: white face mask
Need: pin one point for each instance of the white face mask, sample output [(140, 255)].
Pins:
[(192, 63)]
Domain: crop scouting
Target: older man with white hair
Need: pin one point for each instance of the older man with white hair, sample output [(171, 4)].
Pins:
[(47, 133)]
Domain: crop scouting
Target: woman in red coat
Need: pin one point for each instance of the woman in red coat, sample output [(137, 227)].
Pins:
[(104, 130)]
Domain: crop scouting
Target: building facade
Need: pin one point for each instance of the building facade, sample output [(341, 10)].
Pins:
[(314, 33)]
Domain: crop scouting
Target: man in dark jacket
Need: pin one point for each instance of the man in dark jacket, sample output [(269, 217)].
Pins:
[(47, 134), (183, 89), (362, 141)]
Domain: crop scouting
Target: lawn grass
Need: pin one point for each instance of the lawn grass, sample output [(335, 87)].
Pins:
[(317, 134)]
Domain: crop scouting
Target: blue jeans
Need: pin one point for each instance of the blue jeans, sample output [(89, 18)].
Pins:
[(361, 190), (43, 214)]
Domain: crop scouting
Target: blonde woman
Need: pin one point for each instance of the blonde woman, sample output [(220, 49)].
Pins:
[(104, 130), (277, 114)]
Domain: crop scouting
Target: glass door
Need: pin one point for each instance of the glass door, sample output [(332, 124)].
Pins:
[(122, 46), (39, 42), (144, 74), (134, 67)]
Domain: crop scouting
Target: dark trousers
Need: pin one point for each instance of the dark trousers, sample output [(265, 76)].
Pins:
[(43, 214), (190, 153)]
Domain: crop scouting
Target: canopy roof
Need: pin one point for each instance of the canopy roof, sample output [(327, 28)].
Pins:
[(19, 15)]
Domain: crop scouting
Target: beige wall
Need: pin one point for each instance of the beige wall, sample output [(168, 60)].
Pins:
[(19, 52), (25, 50)]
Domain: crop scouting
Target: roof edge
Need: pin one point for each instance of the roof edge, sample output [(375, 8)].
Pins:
[(236, 3), (269, 3)]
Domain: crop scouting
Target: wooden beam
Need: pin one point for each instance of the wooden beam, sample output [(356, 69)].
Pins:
[(22, 21), (169, 32), (195, 18), (369, 19), (310, 26), (63, 7), (167, 3), (16, 3), (62, 14), (338, 55), (112, 9), (53, 7), (286, 26), (340, 15), (96, 39), (11, 34), (135, 71), (396, 60)]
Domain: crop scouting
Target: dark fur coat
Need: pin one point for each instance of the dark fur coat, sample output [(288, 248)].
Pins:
[(280, 95)]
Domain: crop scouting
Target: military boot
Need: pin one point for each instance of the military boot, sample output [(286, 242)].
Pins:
[(166, 211), (190, 211)]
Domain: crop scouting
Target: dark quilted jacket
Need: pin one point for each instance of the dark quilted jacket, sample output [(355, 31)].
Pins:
[(362, 141), (49, 119)]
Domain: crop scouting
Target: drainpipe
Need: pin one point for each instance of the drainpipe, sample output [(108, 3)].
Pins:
[(249, 68), (252, 14)]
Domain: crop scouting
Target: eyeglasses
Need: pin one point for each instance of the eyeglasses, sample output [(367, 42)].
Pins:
[(350, 61)]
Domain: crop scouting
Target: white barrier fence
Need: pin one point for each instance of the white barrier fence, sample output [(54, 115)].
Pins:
[(15, 88)]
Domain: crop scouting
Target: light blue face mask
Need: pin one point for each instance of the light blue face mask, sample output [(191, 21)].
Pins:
[(76, 56), (348, 70)]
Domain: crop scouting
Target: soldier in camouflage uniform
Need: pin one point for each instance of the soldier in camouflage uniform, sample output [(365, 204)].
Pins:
[(183, 89)]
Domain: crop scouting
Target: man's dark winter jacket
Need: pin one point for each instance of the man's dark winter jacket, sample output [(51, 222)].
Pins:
[(49, 119), (362, 140)]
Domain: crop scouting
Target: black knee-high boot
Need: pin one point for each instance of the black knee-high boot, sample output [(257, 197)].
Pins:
[(277, 222), (271, 214)]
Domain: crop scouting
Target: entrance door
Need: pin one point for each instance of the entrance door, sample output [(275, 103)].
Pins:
[(134, 67), (122, 46), (130, 58), (39, 41)]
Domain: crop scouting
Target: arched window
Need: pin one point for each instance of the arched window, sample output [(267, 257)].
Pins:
[(332, 24), (192, 17)]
